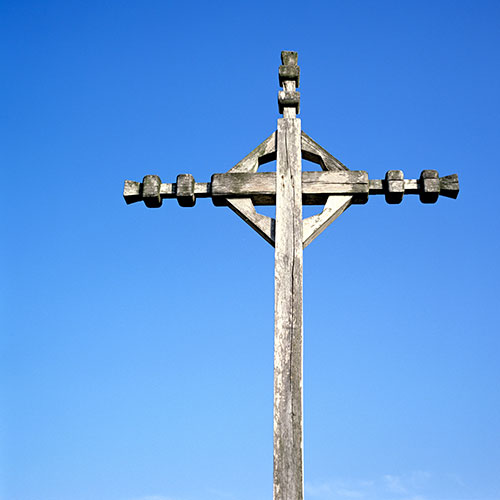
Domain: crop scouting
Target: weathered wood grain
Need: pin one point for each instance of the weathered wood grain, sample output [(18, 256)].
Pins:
[(201, 190), (313, 226), (263, 153), (449, 186), (263, 224), (243, 207), (429, 186), (151, 191), (316, 187), (185, 187), (289, 72), (379, 186), (241, 189), (288, 456), (289, 98), (289, 57), (132, 192), (394, 186), (312, 151), (261, 187)]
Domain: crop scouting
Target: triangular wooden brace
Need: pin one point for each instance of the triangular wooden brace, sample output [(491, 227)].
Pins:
[(263, 224), (312, 151), (313, 226), (335, 205), (263, 153)]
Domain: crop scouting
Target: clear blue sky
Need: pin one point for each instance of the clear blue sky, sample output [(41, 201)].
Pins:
[(137, 344)]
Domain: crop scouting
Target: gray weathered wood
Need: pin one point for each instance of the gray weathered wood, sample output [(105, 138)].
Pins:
[(335, 205), (243, 207), (241, 189), (132, 192), (288, 457), (394, 186), (449, 186), (261, 187), (185, 190), (312, 151), (289, 72), (289, 98), (288, 470), (263, 224), (316, 186), (313, 226), (151, 185), (429, 186), (263, 153)]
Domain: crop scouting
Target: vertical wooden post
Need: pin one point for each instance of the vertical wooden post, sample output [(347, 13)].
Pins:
[(288, 454), (240, 189)]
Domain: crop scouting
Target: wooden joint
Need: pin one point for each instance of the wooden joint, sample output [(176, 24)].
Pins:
[(289, 73), (151, 185), (185, 190), (429, 186), (360, 198), (316, 187), (219, 190), (289, 99), (394, 186)]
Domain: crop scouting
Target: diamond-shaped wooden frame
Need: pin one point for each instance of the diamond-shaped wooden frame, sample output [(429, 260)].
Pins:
[(264, 225)]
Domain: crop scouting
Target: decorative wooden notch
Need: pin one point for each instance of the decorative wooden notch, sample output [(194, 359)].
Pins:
[(335, 188)]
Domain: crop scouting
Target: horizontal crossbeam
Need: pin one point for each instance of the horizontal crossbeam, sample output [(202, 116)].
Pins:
[(316, 187)]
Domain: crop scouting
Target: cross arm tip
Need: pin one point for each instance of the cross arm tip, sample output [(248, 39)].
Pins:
[(149, 191), (449, 186), (429, 186), (132, 192), (152, 191)]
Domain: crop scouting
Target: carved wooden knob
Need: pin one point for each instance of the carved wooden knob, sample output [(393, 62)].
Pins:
[(185, 190), (394, 186), (429, 186), (151, 185)]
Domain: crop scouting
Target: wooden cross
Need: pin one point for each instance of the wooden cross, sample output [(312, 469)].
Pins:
[(243, 188)]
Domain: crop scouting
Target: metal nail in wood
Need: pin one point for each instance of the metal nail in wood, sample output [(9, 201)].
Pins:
[(335, 188)]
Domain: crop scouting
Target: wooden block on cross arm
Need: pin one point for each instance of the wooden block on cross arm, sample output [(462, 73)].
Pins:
[(185, 190), (151, 185), (394, 186), (429, 186)]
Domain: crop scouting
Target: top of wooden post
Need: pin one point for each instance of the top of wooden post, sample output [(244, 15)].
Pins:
[(289, 77), (288, 57)]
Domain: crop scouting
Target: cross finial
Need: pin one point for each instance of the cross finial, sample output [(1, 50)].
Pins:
[(289, 76)]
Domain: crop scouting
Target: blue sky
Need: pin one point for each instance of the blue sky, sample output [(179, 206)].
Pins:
[(137, 344)]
